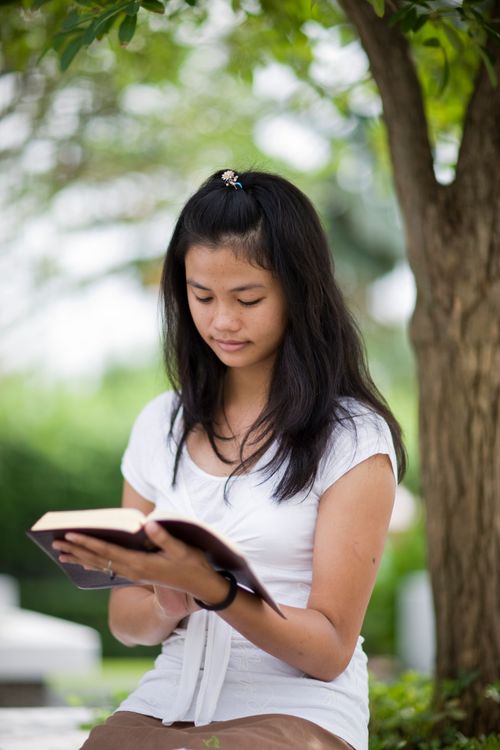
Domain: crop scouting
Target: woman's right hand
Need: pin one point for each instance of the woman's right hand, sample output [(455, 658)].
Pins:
[(174, 604), (145, 615)]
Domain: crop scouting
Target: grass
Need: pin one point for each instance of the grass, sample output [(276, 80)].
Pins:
[(115, 679)]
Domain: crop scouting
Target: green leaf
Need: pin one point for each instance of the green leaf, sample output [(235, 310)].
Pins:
[(492, 31), (421, 21), (212, 741), (398, 16), (72, 20), (153, 5), (432, 41), (192, 3), (379, 7), (104, 22), (61, 39), (70, 51), (127, 29), (479, 15), (105, 27), (90, 32), (133, 8), (409, 21), (489, 64)]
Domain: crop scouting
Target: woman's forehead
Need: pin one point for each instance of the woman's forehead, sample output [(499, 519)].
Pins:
[(223, 260), (207, 266)]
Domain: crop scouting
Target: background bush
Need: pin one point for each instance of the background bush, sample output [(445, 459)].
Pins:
[(60, 449), (403, 717)]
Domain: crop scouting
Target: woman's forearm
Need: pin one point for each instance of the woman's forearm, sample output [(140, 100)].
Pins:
[(306, 640), (136, 619)]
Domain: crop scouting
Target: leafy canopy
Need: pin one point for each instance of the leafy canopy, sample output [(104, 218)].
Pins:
[(79, 24)]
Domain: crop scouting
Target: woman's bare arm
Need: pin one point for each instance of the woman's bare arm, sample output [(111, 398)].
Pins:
[(350, 533)]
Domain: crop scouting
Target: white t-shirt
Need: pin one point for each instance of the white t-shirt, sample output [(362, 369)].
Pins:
[(207, 671)]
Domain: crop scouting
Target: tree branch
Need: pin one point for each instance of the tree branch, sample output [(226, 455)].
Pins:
[(395, 75), (479, 157)]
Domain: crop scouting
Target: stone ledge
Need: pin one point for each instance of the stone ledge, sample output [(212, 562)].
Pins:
[(48, 728)]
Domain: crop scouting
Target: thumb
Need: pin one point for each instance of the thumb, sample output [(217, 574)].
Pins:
[(162, 538), (165, 541)]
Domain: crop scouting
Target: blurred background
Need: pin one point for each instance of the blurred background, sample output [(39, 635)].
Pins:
[(96, 162)]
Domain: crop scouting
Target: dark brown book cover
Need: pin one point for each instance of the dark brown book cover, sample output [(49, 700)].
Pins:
[(222, 554)]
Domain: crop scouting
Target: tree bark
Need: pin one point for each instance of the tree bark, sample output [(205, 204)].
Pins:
[(453, 242), (456, 336)]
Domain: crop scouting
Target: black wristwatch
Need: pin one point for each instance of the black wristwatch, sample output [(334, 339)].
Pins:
[(231, 596)]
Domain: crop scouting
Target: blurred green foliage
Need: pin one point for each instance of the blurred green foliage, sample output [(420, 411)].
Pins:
[(404, 553), (403, 717), (103, 688), (448, 40), (60, 449)]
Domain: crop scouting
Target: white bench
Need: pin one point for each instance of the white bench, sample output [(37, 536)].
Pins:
[(34, 645)]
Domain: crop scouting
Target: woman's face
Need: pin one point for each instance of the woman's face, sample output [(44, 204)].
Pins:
[(238, 309)]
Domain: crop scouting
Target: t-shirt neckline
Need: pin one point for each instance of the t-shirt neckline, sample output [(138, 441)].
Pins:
[(222, 477)]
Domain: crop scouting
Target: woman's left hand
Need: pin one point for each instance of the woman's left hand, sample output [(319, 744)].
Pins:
[(176, 565)]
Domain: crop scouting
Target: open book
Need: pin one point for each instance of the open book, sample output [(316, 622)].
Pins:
[(125, 526)]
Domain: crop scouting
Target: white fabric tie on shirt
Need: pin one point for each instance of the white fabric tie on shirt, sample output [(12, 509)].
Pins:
[(207, 643)]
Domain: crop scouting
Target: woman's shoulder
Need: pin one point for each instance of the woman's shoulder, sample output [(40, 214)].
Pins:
[(358, 433), (353, 415), (360, 427), (157, 412)]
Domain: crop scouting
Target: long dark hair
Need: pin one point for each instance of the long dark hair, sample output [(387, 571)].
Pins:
[(321, 359)]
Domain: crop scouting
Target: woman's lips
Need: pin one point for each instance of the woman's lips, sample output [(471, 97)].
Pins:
[(231, 346)]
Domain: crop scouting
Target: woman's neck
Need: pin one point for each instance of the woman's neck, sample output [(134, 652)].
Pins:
[(247, 389)]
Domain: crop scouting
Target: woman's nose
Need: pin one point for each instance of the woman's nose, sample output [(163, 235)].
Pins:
[(226, 319)]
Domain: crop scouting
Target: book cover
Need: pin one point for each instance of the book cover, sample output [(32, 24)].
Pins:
[(124, 527)]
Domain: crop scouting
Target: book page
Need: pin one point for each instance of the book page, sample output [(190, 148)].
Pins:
[(127, 519)]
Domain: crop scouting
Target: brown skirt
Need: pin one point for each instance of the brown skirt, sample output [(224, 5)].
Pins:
[(126, 730)]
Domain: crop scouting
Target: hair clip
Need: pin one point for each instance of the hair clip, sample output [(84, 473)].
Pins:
[(231, 179)]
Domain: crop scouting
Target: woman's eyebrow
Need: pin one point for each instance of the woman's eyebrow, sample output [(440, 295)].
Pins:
[(242, 288)]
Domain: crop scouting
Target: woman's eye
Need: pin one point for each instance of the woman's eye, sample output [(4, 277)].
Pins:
[(252, 302), (203, 300)]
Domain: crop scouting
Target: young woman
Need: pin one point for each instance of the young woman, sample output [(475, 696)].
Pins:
[(275, 435)]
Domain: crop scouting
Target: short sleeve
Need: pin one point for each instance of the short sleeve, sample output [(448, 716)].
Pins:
[(148, 435), (353, 441)]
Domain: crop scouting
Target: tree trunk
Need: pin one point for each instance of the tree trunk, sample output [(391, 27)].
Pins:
[(453, 242), (456, 336)]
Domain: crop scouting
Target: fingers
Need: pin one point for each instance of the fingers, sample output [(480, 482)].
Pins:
[(66, 557), (89, 548), (92, 553), (175, 564), (95, 554), (163, 539)]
